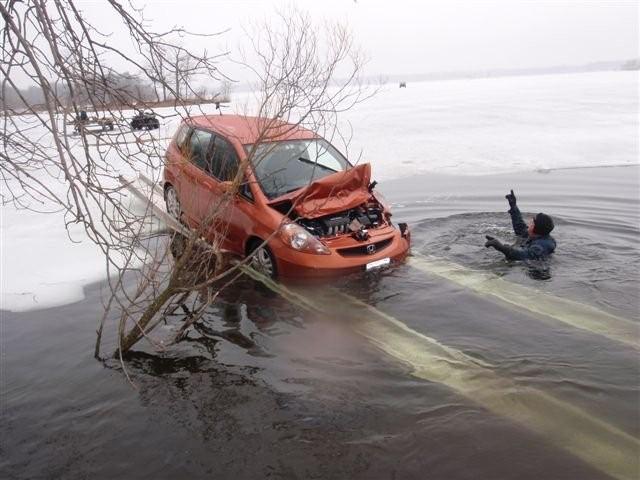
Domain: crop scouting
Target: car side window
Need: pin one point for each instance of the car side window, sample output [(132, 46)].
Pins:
[(224, 162), (199, 144), (181, 136)]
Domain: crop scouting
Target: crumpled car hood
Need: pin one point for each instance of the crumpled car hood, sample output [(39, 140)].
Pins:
[(333, 193)]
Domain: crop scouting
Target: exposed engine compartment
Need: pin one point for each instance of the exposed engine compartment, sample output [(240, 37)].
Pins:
[(363, 217), (318, 208)]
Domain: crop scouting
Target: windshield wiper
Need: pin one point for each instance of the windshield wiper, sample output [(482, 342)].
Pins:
[(306, 160)]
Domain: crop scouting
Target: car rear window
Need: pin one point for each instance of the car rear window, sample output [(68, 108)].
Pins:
[(198, 147)]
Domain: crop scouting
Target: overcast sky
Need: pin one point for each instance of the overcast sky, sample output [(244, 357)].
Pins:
[(405, 36)]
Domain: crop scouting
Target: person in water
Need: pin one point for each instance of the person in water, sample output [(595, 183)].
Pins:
[(534, 243)]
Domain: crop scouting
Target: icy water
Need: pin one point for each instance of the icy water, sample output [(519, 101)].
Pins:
[(418, 371)]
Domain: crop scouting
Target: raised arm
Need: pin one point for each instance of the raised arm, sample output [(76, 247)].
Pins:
[(519, 227)]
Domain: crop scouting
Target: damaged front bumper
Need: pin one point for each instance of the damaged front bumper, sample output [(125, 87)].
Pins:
[(348, 255)]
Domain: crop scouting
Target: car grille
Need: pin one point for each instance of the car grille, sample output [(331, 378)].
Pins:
[(362, 249)]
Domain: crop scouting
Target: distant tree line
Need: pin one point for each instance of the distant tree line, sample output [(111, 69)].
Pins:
[(115, 89)]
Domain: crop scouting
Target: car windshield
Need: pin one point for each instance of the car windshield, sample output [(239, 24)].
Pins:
[(283, 167)]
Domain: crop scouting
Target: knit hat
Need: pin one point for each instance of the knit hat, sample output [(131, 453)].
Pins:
[(542, 224)]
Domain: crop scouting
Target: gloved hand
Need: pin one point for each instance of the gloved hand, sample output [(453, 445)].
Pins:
[(492, 242), (511, 198)]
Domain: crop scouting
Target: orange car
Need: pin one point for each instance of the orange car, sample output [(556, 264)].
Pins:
[(318, 213)]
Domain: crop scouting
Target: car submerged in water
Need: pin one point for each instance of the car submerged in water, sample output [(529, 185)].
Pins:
[(300, 207)]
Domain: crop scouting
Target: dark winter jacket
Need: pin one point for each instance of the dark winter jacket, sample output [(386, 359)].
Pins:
[(535, 247)]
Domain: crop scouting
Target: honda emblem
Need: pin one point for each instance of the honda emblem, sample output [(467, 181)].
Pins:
[(371, 249)]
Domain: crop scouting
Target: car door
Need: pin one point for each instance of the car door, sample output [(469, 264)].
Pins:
[(221, 205), (194, 173)]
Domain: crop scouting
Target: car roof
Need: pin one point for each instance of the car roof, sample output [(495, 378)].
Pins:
[(246, 130)]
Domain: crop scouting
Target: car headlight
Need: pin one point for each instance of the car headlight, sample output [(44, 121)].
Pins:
[(299, 239)]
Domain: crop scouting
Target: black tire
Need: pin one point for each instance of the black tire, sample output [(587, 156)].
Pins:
[(263, 260)]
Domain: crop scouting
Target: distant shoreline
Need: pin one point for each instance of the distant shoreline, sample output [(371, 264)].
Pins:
[(386, 78), (615, 66)]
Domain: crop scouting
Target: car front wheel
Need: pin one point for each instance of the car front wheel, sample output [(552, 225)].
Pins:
[(263, 261)]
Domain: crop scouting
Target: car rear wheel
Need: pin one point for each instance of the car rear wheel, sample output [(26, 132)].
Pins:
[(263, 260), (172, 202)]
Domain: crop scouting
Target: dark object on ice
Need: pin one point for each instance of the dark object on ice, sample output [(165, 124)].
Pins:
[(403, 84), (534, 243), (82, 122), (145, 120)]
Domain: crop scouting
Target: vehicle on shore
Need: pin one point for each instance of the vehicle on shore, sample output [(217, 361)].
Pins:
[(300, 205), (145, 121), (91, 124)]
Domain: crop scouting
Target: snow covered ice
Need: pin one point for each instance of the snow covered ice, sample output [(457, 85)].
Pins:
[(497, 125)]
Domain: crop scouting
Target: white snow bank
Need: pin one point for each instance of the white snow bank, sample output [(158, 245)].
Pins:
[(41, 267), (477, 126), (43, 264)]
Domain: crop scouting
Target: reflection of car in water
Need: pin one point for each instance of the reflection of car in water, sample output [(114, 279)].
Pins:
[(318, 213), (145, 120)]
